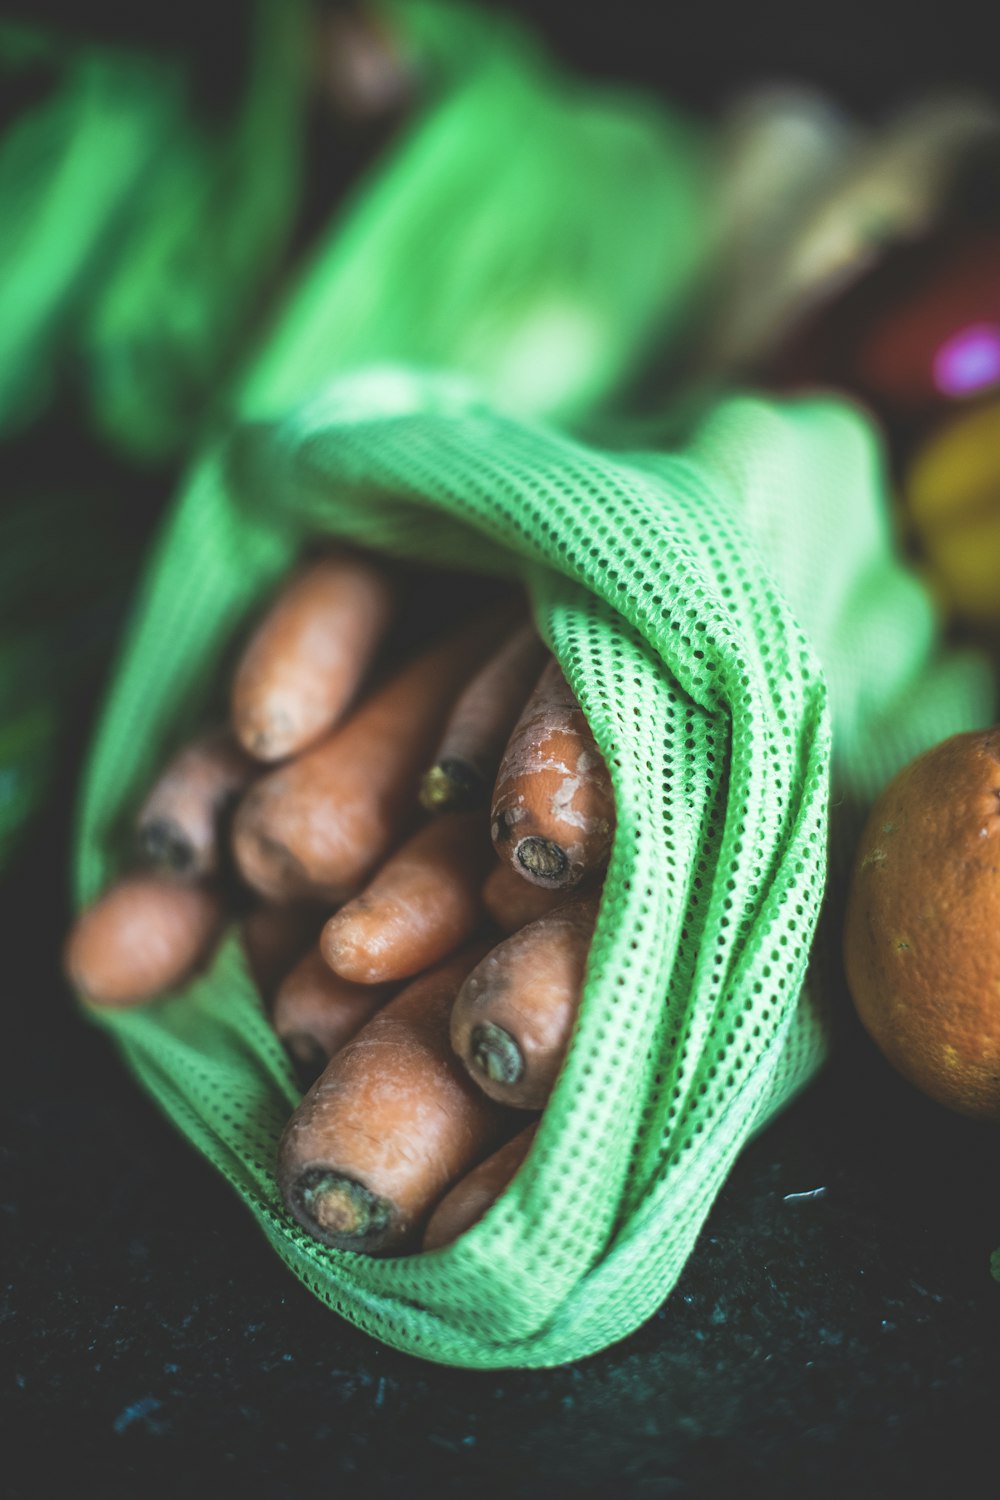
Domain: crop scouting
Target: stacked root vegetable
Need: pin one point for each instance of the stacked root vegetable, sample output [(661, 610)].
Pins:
[(413, 849)]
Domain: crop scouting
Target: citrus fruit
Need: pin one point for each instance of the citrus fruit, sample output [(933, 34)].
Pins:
[(922, 932)]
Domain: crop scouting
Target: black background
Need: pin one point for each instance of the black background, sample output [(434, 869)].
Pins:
[(838, 1344)]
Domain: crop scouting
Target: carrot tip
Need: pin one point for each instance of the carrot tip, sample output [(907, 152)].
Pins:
[(166, 847), (496, 1054), (452, 786), (543, 860), (340, 1211)]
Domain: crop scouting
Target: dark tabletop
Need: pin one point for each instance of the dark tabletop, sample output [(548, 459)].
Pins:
[(835, 1332)]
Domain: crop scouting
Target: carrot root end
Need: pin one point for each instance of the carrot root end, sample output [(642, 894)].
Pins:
[(339, 1211), (165, 846), (496, 1054), (452, 786), (543, 861)]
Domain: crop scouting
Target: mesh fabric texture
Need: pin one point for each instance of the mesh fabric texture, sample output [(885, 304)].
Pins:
[(546, 259), (662, 583)]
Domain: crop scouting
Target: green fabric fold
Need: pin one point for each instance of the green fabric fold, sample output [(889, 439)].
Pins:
[(656, 581)]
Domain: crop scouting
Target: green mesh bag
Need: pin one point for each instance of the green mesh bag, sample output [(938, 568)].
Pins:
[(545, 259), (709, 606)]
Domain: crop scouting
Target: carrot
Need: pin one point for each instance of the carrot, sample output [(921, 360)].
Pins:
[(320, 825), (390, 1125), (182, 825), (144, 936), (306, 660), (512, 902), (275, 938), (480, 723), (422, 903), (316, 1012), (514, 1014), (553, 810), (465, 1204)]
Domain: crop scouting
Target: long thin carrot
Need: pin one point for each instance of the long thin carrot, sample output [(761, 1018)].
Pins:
[(391, 1124), (423, 903), (305, 662), (553, 813), (316, 1012), (479, 725), (513, 1017), (143, 937), (183, 824), (321, 824), (465, 1203)]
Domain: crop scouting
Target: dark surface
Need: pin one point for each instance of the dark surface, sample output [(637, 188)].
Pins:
[(838, 1343), (843, 1341)]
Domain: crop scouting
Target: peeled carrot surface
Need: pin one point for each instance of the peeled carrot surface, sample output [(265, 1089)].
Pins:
[(316, 1012), (321, 824), (514, 1015), (465, 1203), (512, 902), (390, 1125), (552, 816), (423, 903), (307, 658), (143, 937)]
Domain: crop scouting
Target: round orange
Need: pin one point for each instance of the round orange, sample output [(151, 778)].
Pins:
[(922, 934)]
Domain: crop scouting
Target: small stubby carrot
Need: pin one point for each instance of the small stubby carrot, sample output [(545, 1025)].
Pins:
[(514, 1014), (182, 827), (553, 813), (306, 660), (512, 902), (422, 904), (466, 1203), (479, 725), (316, 1012), (389, 1126), (275, 936), (144, 936), (320, 825)]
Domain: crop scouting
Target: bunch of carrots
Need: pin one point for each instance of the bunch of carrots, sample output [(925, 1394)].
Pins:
[(414, 853)]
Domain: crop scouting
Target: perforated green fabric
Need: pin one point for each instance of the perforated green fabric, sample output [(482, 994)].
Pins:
[(538, 238), (538, 233), (661, 583)]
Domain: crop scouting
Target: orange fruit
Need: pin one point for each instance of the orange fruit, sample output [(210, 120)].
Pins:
[(922, 932)]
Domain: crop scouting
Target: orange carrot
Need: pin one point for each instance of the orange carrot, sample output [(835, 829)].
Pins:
[(512, 902), (321, 824), (423, 903), (553, 809), (183, 824), (390, 1125), (275, 938), (514, 1015), (316, 1012), (465, 1204), (144, 936), (307, 658), (480, 724)]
